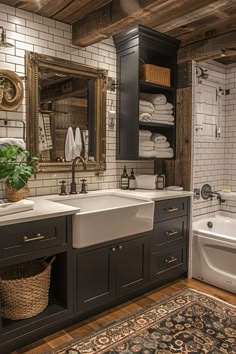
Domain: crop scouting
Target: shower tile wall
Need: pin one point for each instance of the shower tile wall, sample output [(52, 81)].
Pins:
[(208, 152), (39, 34), (230, 136)]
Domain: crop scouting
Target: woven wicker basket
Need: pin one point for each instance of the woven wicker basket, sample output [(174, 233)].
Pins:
[(24, 289), (155, 74), (14, 195)]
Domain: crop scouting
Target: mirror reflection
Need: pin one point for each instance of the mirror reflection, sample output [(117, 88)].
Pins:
[(65, 117), (66, 112)]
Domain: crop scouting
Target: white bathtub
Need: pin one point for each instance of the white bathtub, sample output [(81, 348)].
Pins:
[(214, 251)]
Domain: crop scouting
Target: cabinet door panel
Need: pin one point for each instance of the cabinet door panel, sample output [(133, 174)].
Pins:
[(95, 278), (132, 265)]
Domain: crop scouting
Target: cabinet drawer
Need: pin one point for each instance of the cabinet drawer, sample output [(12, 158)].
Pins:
[(170, 230), (170, 208), (31, 236), (168, 259)]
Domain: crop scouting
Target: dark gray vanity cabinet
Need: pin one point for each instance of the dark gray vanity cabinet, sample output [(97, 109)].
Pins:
[(106, 273), (28, 241), (169, 255)]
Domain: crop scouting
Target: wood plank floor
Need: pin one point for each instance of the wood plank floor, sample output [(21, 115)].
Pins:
[(117, 312)]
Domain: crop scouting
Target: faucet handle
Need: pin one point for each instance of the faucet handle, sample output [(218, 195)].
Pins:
[(63, 188), (83, 186)]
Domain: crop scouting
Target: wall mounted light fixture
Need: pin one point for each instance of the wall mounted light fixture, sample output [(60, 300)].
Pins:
[(3, 40)]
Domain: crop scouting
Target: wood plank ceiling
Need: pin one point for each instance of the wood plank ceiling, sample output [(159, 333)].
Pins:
[(207, 28)]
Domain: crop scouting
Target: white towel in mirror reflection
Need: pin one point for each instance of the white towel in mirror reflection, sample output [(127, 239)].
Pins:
[(73, 145)]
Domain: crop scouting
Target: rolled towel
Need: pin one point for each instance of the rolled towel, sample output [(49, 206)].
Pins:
[(161, 107), (154, 98), (145, 133), (157, 137), (146, 143), (161, 144), (147, 154), (145, 117), (13, 141), (146, 181), (163, 117)]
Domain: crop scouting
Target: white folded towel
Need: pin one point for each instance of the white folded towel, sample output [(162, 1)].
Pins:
[(168, 111), (154, 98), (146, 143), (13, 141), (69, 144), (147, 154), (161, 144), (143, 109), (162, 149), (18, 207), (164, 154), (157, 137), (161, 107), (145, 103), (77, 148), (163, 117), (145, 133), (145, 117), (146, 181)]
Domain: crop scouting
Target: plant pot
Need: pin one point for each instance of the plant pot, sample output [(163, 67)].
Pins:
[(14, 195)]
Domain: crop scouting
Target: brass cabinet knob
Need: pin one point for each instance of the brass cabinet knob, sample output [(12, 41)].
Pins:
[(113, 249), (120, 247)]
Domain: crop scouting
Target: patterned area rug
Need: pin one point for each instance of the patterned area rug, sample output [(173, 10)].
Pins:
[(187, 322)]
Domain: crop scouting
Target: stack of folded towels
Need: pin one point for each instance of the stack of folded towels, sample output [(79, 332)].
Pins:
[(154, 145), (155, 108)]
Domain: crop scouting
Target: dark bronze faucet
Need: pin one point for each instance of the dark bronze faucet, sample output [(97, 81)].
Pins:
[(73, 184)]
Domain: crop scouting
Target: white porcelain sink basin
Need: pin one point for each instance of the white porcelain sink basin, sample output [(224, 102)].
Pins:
[(108, 217)]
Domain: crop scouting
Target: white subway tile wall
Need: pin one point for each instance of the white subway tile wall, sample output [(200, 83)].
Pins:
[(39, 34), (208, 152), (214, 160)]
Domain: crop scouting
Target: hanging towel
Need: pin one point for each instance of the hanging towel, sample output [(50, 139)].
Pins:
[(165, 117), (77, 143), (69, 144), (42, 135), (156, 137), (13, 141), (161, 107), (86, 141), (154, 99), (145, 117), (146, 181)]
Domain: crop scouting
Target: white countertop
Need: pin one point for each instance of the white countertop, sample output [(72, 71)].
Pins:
[(46, 208)]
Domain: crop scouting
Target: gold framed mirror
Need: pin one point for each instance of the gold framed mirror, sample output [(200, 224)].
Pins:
[(66, 113)]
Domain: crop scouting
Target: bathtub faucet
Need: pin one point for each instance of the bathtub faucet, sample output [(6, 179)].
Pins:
[(212, 194)]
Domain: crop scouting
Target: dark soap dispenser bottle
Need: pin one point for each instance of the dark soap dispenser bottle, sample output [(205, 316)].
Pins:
[(132, 180), (124, 180)]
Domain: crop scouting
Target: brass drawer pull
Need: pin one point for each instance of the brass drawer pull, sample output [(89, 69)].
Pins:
[(171, 233), (36, 238), (171, 259), (170, 210)]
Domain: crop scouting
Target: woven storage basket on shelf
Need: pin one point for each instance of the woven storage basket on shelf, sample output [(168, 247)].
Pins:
[(155, 74), (24, 289)]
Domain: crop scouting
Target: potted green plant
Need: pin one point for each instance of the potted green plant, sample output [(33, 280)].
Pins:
[(16, 168)]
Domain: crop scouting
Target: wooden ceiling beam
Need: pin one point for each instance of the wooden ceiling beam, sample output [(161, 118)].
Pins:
[(208, 49), (116, 16)]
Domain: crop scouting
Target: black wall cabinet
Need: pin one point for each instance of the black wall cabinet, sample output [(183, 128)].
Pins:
[(135, 47)]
